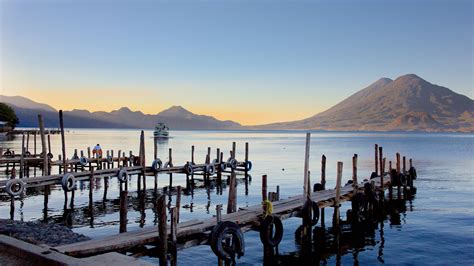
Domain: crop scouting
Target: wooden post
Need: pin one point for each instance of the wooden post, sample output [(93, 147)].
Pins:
[(338, 194), (382, 170), (376, 160), (174, 233), (178, 202), (354, 171), (162, 229), (246, 158), (398, 163), (22, 155), (170, 155), (207, 176), (63, 141), (264, 187), (323, 171), (219, 172), (219, 213), (34, 143), (231, 202), (155, 148), (143, 159), (119, 158), (91, 187), (323, 184), (404, 166), (43, 146), (192, 162), (411, 163), (49, 140), (404, 170), (233, 149), (27, 141), (306, 163), (398, 176), (123, 210)]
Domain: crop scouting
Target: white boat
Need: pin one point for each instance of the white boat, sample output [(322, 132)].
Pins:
[(161, 131)]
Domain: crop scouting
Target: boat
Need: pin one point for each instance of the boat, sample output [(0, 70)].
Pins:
[(161, 131)]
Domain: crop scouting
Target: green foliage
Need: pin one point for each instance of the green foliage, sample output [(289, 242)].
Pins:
[(8, 115)]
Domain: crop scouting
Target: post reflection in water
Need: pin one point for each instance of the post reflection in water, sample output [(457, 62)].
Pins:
[(349, 238)]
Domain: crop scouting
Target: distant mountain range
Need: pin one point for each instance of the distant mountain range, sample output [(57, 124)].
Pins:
[(408, 103), (175, 117)]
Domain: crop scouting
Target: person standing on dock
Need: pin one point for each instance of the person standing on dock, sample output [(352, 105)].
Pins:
[(97, 151)]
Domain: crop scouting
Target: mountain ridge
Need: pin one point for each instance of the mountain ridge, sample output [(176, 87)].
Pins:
[(407, 103)]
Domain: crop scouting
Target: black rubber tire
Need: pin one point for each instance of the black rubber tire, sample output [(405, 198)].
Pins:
[(122, 175), (27, 154), (68, 182), (83, 161), (13, 183), (248, 166), (7, 153), (233, 164), (156, 165), (50, 155), (217, 235), (188, 169), (223, 166), (314, 212), (318, 187), (266, 225), (210, 170)]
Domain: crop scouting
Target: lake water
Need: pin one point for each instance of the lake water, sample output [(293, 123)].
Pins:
[(437, 226)]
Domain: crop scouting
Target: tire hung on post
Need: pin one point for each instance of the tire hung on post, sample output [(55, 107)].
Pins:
[(232, 163), (266, 226), (15, 187), (122, 175), (210, 169), (83, 161), (68, 182), (314, 217), (188, 168), (248, 165), (223, 166), (156, 165), (217, 236)]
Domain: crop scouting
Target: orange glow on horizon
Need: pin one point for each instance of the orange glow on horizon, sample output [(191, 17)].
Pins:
[(108, 100)]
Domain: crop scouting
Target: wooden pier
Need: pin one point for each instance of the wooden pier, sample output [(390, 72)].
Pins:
[(224, 232)]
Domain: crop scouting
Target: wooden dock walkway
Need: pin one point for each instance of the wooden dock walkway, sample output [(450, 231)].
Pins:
[(195, 232)]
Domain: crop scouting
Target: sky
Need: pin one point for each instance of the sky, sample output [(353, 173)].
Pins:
[(253, 62)]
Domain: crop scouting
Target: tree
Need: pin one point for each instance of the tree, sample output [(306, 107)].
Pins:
[(7, 114)]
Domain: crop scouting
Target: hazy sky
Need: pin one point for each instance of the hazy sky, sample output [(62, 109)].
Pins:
[(249, 61)]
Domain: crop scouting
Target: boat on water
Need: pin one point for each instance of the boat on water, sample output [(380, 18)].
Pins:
[(161, 131)]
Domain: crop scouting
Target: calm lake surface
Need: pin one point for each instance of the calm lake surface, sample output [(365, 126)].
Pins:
[(436, 227)]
